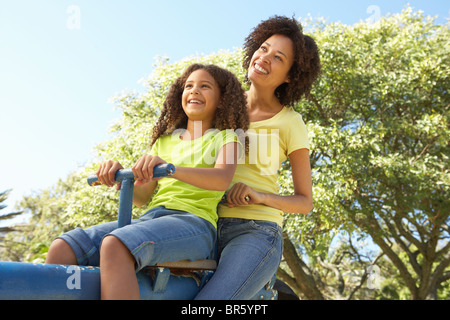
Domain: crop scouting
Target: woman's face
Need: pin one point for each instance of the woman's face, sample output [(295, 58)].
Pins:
[(271, 63)]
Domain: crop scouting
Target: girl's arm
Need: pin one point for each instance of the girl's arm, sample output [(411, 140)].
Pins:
[(300, 202), (217, 178), (142, 192)]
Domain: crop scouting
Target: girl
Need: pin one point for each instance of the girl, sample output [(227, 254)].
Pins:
[(282, 65), (181, 224)]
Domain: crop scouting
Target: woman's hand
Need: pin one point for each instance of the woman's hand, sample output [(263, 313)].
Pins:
[(143, 169), (241, 194), (106, 173)]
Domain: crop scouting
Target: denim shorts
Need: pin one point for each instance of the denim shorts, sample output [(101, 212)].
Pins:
[(249, 255), (159, 235)]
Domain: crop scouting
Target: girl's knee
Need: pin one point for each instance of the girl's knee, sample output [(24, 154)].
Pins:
[(58, 245), (113, 248), (60, 252)]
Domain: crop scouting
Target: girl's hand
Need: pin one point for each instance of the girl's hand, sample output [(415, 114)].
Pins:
[(107, 171), (241, 194), (143, 169)]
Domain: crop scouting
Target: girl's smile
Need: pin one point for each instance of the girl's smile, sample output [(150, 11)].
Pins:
[(195, 101)]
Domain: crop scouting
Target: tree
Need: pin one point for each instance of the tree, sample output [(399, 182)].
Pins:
[(5, 217), (378, 125), (3, 196), (380, 131)]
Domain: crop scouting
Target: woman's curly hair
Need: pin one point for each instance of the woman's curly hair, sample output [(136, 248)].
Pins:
[(306, 67), (230, 114)]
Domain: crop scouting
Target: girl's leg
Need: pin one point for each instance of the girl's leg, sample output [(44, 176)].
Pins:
[(79, 246), (167, 235), (117, 272), (60, 252), (250, 257), (163, 235)]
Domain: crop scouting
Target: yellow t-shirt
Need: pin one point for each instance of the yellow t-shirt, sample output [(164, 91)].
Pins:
[(270, 143), (198, 153)]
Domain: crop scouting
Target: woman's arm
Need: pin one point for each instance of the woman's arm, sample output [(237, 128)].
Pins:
[(300, 202)]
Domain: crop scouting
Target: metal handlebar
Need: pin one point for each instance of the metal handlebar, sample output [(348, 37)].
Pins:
[(162, 170), (126, 178)]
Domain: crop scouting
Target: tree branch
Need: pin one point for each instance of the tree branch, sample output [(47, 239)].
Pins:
[(323, 115), (438, 275), (334, 268), (404, 273), (375, 233), (411, 255), (408, 235), (288, 279), (303, 276)]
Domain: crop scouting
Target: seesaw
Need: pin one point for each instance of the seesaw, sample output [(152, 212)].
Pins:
[(179, 280)]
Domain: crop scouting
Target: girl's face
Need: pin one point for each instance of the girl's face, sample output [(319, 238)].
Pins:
[(271, 63), (201, 96)]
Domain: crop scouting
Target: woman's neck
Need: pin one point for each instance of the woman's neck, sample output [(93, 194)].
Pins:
[(262, 104)]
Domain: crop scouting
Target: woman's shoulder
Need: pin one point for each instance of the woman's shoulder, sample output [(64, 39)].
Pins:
[(290, 112), (290, 118)]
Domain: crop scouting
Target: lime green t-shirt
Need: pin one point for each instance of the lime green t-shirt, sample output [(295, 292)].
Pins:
[(270, 143), (197, 153)]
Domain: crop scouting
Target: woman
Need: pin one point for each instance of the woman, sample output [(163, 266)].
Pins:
[(282, 66)]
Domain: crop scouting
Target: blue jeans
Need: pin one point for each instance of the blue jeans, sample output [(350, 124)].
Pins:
[(249, 255), (160, 235)]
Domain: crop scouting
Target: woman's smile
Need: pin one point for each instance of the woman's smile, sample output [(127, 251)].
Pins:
[(260, 69)]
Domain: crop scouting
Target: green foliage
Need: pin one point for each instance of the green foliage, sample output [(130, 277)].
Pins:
[(29, 242), (378, 122), (379, 125), (6, 216)]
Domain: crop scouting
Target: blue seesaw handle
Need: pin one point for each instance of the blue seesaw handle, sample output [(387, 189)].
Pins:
[(126, 178), (162, 170)]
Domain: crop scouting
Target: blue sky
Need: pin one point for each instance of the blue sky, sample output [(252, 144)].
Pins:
[(61, 61)]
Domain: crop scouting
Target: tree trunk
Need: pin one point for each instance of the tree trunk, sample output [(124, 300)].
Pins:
[(303, 278)]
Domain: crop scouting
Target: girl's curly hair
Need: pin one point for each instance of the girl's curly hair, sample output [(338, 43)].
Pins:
[(230, 114), (306, 67)]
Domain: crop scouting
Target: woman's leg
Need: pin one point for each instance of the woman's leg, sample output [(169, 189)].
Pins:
[(250, 257)]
